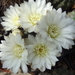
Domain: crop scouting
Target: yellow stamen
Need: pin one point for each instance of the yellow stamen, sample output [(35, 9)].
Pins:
[(34, 18), (18, 51), (53, 31), (16, 20), (40, 50)]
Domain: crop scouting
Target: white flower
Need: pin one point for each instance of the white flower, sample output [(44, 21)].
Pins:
[(42, 53), (11, 18), (32, 11), (58, 28), (14, 53)]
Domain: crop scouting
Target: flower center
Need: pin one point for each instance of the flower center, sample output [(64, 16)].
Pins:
[(40, 50), (53, 31), (18, 51), (16, 20), (34, 18)]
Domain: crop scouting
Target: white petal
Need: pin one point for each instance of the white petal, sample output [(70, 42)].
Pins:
[(36, 60), (16, 67), (24, 67), (48, 63), (30, 57)]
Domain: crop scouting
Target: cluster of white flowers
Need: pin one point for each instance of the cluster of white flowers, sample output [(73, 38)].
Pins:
[(54, 31)]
